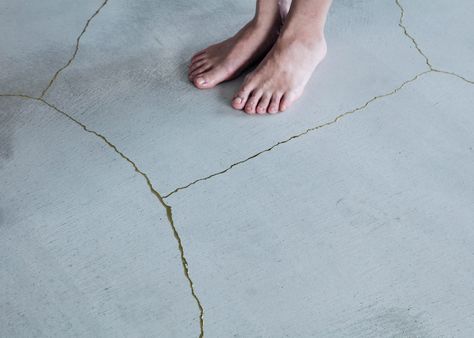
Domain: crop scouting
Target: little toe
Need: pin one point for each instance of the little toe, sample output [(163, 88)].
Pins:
[(274, 103), (263, 103), (252, 102)]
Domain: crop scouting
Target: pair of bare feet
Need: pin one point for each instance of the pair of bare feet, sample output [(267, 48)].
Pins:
[(287, 60)]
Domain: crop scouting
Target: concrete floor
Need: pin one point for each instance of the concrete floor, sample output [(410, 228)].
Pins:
[(134, 205)]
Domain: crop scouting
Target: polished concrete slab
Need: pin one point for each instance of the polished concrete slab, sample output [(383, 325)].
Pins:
[(134, 205)]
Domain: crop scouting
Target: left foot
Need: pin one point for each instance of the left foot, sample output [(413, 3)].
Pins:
[(281, 77), (227, 59)]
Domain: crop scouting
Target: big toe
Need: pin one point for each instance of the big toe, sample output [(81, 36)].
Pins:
[(203, 81), (240, 98), (210, 78)]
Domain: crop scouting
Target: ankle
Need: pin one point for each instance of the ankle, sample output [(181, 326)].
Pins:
[(310, 39), (265, 21)]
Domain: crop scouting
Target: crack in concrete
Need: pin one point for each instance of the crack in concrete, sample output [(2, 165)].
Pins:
[(405, 31), (169, 212), (333, 121), (23, 96), (427, 61), (75, 50), (452, 74), (161, 198)]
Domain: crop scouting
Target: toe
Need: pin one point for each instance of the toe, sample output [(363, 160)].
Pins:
[(287, 100), (274, 103), (199, 71), (196, 64), (240, 99), (210, 78), (263, 103), (198, 56), (252, 102), (202, 81)]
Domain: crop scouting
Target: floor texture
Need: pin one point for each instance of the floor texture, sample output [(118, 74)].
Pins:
[(134, 205)]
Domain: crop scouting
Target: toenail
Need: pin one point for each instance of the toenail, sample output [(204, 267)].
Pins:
[(201, 81), (238, 100)]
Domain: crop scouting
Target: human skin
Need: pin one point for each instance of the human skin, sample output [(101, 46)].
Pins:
[(286, 37)]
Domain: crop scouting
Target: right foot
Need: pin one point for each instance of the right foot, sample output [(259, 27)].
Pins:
[(227, 59), (281, 77)]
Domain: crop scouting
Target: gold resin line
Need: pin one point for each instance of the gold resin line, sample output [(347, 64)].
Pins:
[(169, 212), (337, 118), (452, 74), (22, 96), (75, 50), (428, 63), (405, 31)]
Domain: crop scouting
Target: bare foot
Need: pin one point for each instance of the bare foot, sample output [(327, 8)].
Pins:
[(281, 77), (227, 59)]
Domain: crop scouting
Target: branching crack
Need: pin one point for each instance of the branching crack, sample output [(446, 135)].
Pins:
[(169, 212), (427, 61), (333, 121), (430, 69), (161, 198), (76, 49)]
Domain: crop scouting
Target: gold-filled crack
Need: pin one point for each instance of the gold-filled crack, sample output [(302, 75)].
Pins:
[(76, 49), (417, 46), (169, 211), (333, 121), (161, 198), (405, 31)]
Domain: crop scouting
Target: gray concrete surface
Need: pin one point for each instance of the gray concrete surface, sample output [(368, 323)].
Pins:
[(84, 249), (134, 205)]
